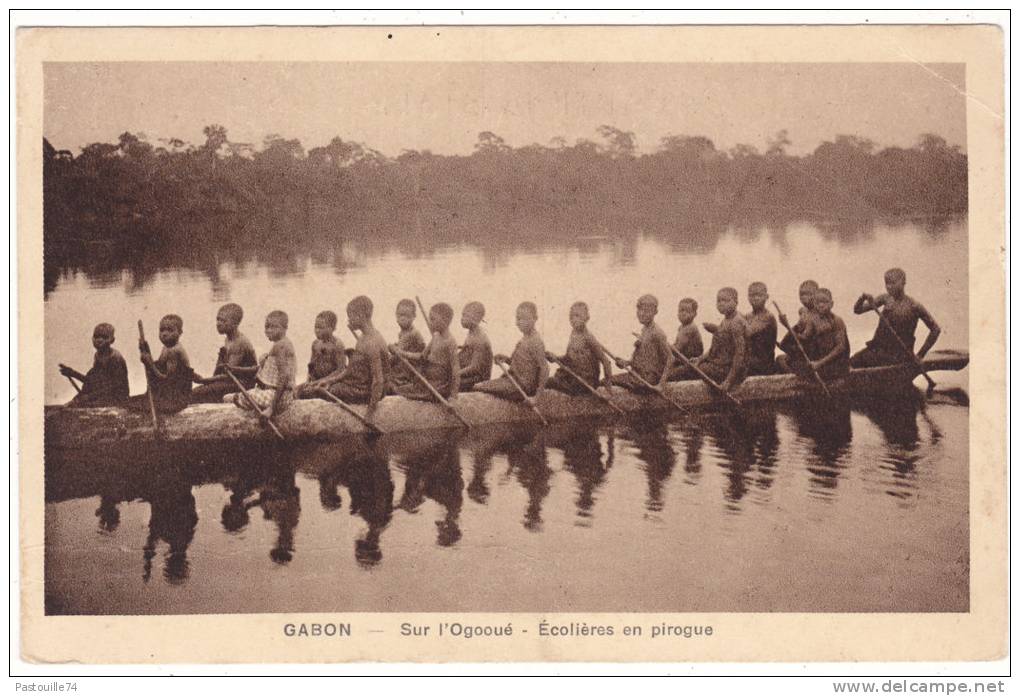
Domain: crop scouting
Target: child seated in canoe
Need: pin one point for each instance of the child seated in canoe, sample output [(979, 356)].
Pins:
[(805, 326), (363, 380), (237, 353), (688, 338), (829, 353), (652, 358), (476, 353), (274, 383), (726, 360), (762, 331), (169, 376), (106, 382), (901, 312), (583, 357), (439, 363), (328, 355), (409, 340), (527, 363)]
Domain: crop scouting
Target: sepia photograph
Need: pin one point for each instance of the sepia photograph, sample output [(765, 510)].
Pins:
[(566, 336)]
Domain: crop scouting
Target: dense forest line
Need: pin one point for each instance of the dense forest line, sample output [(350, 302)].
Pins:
[(134, 193)]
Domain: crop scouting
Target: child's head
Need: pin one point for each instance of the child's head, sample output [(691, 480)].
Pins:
[(405, 313), (726, 301), (823, 301), (807, 293), (276, 325), (440, 316), (359, 312), (229, 318), (325, 324), (579, 315), (472, 315), (687, 310), (102, 336), (170, 329), (527, 315), (757, 295), (647, 308), (895, 281)]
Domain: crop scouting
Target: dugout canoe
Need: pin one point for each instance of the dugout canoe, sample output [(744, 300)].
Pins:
[(67, 428)]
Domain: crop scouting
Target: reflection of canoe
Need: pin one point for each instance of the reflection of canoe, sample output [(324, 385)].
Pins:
[(70, 428)]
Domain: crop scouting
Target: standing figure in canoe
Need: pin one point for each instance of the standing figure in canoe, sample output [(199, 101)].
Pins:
[(106, 382), (476, 352), (829, 348), (439, 361), (170, 375), (527, 363), (762, 331), (363, 380), (652, 358), (237, 353), (726, 360), (688, 338), (409, 340), (898, 320), (583, 357), (328, 354), (274, 383)]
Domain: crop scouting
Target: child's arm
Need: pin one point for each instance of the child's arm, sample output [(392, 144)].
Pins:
[(710, 327), (285, 362), (662, 343), (71, 372), (454, 369), (378, 386), (600, 354), (866, 303), (934, 330), (739, 359), (842, 346)]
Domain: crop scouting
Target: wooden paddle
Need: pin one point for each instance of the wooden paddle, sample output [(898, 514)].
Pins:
[(251, 404), (432, 390), (913, 358), (633, 373), (70, 379), (715, 386), (800, 347), (372, 428), (527, 399), (600, 397), (148, 383)]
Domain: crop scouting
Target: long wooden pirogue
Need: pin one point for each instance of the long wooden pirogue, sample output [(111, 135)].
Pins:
[(318, 419)]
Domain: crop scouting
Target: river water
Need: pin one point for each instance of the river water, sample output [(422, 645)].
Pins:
[(827, 507)]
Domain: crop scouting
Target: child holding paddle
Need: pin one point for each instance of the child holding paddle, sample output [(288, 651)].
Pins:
[(237, 353), (328, 354), (439, 362), (652, 359), (726, 360), (476, 352), (583, 357), (688, 338), (409, 340), (170, 375), (106, 383), (761, 332), (274, 384), (899, 318), (527, 363)]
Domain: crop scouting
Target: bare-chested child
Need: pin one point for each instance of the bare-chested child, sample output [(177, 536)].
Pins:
[(106, 382), (274, 383), (804, 328), (830, 356), (439, 363), (726, 359), (363, 380), (652, 358), (901, 312), (170, 375), (409, 340), (237, 353), (527, 363), (584, 356), (476, 352), (688, 338), (328, 354), (762, 331)]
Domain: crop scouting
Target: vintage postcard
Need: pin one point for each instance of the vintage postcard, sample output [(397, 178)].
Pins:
[(511, 344)]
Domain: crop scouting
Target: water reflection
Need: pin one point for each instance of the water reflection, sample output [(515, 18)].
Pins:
[(439, 469)]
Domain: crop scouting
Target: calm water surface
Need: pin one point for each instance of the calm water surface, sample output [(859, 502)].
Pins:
[(826, 507)]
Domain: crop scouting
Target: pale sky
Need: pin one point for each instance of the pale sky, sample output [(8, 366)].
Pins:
[(443, 106)]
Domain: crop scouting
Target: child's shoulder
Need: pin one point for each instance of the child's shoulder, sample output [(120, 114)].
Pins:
[(115, 356), (241, 340)]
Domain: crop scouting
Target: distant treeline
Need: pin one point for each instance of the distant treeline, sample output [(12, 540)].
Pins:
[(134, 192)]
